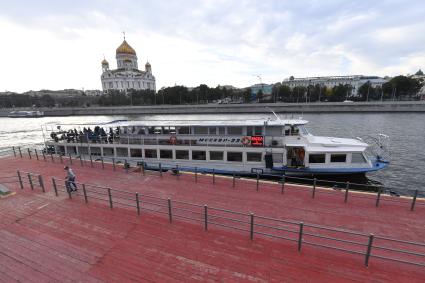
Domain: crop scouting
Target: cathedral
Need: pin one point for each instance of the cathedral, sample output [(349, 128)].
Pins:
[(127, 75)]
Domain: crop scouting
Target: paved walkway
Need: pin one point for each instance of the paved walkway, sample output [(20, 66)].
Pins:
[(46, 238)]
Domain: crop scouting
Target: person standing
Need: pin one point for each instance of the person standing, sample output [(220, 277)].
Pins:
[(70, 180)]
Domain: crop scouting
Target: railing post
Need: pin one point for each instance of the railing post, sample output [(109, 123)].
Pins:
[(234, 180), (369, 249), (126, 166), (206, 217), (110, 199), (347, 187), (251, 229), (55, 188), (142, 168), (258, 180), (30, 181), (196, 174), (44, 156), (41, 183), (36, 154), (29, 153), (20, 180), (51, 157), (81, 160), (137, 203), (412, 207), (378, 197), (20, 152), (70, 159), (14, 151), (85, 193), (213, 171), (60, 157), (282, 189), (103, 164), (314, 188), (170, 216), (300, 236), (91, 161), (68, 189), (160, 170), (113, 163)]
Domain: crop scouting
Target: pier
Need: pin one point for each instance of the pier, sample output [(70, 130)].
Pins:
[(132, 224)]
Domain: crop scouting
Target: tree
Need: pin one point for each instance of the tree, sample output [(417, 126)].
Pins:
[(419, 73)]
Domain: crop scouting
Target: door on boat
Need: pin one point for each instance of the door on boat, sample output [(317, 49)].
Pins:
[(295, 156)]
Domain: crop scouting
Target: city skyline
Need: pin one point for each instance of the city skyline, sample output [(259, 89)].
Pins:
[(50, 45)]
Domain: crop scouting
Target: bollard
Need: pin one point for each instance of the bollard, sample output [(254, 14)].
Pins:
[(55, 188), (234, 181), (61, 159), (213, 176), (81, 160), (251, 230), (258, 181), (14, 152), (51, 157), (36, 154), (282, 190), (85, 193), (412, 207), (113, 163), (44, 156), (29, 153), (378, 197), (196, 174), (300, 236), (142, 168), (137, 204), (206, 217), (20, 180), (314, 188), (160, 170), (30, 181), (70, 159), (346, 192), (41, 183), (103, 164), (20, 152), (170, 216), (110, 198), (369, 249)]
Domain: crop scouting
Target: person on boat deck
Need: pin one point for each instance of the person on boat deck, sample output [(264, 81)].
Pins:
[(70, 180)]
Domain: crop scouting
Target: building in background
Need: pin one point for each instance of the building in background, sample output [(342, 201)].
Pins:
[(127, 76), (354, 81), (265, 90)]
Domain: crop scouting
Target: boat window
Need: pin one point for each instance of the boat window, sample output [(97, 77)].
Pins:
[(221, 130), (173, 130), (166, 154), (234, 156), (200, 130), (317, 158), (358, 158), (234, 130), (199, 155), (183, 130), (151, 130), (216, 155), (254, 130), (182, 154), (165, 130), (121, 151), (150, 153), (274, 130), (338, 157), (303, 130), (253, 156), (212, 130), (141, 131), (135, 152), (291, 130), (158, 130)]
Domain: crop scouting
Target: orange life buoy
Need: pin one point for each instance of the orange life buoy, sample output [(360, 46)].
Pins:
[(245, 140), (173, 140)]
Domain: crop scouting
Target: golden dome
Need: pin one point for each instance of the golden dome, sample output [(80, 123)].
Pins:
[(125, 48), (104, 62)]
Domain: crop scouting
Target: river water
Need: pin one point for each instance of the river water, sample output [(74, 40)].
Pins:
[(406, 131)]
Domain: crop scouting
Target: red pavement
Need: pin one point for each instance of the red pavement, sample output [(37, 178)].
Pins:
[(46, 238)]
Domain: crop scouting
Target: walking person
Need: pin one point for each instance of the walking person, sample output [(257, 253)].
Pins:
[(70, 180)]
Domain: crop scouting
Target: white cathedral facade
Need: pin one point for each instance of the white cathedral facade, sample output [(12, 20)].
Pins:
[(127, 75)]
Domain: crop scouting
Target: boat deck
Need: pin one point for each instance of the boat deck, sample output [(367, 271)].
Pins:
[(46, 238)]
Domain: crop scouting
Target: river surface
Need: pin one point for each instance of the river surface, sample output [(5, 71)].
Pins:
[(406, 131)]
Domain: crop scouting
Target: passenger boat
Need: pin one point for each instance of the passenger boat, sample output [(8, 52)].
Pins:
[(26, 114), (264, 146)]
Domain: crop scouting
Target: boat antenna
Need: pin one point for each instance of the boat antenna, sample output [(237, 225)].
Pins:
[(277, 117)]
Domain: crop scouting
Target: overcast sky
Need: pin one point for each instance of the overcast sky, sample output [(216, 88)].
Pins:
[(60, 44)]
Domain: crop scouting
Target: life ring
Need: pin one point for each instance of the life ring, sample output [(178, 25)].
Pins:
[(246, 140), (173, 140)]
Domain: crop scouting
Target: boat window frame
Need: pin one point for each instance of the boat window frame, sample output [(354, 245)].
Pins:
[(234, 152), (338, 154), (313, 154)]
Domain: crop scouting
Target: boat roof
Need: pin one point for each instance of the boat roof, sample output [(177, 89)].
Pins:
[(206, 123)]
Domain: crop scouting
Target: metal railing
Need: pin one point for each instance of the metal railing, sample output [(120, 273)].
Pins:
[(315, 187), (361, 244)]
